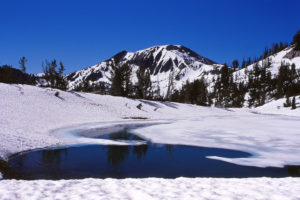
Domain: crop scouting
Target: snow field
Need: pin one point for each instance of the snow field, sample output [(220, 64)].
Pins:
[(152, 188)]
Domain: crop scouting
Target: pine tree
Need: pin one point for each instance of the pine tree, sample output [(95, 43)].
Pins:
[(127, 84), (121, 84), (266, 53), (61, 82), (86, 86), (54, 78), (235, 64), (243, 64), (22, 63), (287, 102), (294, 103), (296, 41), (170, 84), (144, 83), (116, 82)]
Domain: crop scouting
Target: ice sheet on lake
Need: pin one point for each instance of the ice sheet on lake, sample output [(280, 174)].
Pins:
[(273, 140)]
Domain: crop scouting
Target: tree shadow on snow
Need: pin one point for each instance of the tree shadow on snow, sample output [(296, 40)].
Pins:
[(169, 104)]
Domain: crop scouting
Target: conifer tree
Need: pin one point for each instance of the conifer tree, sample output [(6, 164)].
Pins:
[(170, 84), (22, 63), (144, 83), (296, 41), (243, 64), (235, 64), (287, 102), (116, 82), (121, 84), (61, 82), (53, 77), (294, 103)]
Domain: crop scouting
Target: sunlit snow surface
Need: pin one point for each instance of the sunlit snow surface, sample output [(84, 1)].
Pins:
[(152, 188)]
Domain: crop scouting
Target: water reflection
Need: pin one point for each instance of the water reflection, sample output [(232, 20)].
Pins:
[(294, 171), (169, 149), (117, 154), (140, 150), (139, 161), (54, 157)]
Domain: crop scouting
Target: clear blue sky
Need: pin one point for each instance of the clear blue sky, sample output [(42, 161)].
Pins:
[(83, 33)]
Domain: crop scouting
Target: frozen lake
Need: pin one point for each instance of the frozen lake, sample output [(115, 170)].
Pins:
[(139, 159)]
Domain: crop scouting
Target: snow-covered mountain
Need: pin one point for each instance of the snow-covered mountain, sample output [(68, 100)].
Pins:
[(162, 61), (174, 60), (287, 56)]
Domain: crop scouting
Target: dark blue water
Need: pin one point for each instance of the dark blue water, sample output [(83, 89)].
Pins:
[(148, 160)]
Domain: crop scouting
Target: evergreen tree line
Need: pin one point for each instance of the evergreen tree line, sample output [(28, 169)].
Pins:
[(268, 51), (97, 88), (54, 75), (261, 86), (8, 74), (230, 92), (192, 92), (122, 84)]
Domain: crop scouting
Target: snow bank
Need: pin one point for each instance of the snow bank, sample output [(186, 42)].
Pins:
[(152, 188), (276, 107)]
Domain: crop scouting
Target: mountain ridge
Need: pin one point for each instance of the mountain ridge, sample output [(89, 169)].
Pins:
[(160, 60)]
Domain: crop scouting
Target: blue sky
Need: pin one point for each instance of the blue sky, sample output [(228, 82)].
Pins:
[(83, 33)]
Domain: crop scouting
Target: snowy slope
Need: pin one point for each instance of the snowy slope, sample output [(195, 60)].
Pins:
[(161, 60), (276, 107), (153, 188), (275, 60)]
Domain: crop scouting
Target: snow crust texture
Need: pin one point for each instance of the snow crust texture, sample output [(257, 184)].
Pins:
[(152, 188)]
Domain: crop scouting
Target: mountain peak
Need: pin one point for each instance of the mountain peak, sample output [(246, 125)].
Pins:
[(180, 50), (160, 60)]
